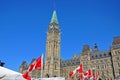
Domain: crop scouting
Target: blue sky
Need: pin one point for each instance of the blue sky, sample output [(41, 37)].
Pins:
[(24, 24)]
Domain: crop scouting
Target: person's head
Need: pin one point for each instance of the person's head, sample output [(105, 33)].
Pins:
[(86, 79), (2, 63), (47, 75)]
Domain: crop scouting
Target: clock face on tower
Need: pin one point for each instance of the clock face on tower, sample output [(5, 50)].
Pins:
[(56, 27)]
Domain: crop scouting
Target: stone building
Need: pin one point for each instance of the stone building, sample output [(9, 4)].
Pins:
[(106, 63)]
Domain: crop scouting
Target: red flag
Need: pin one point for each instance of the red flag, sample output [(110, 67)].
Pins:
[(86, 74), (70, 74), (39, 63), (81, 76), (26, 76), (80, 70), (31, 66), (95, 76), (89, 73)]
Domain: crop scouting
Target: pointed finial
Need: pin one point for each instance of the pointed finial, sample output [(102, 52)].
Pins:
[(95, 48), (95, 45), (54, 18)]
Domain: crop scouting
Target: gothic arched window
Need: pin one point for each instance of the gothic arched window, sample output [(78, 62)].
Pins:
[(48, 65), (55, 66)]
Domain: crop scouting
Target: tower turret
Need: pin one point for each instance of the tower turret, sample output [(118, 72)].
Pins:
[(52, 63), (95, 48)]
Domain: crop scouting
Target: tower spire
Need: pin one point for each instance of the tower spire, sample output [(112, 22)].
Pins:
[(52, 63), (54, 18)]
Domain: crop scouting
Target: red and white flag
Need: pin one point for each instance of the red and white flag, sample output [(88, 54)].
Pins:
[(95, 76), (30, 69), (78, 69), (89, 73), (37, 64), (26, 76), (86, 74)]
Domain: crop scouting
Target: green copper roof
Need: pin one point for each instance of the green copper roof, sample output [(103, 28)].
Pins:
[(54, 18)]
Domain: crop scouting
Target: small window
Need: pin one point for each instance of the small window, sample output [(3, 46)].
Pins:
[(110, 54), (92, 56), (107, 73), (119, 64), (97, 61), (48, 66), (118, 52), (97, 67), (105, 60), (96, 56), (92, 61), (101, 60), (73, 63), (102, 66), (55, 66), (104, 54), (117, 58), (119, 71)]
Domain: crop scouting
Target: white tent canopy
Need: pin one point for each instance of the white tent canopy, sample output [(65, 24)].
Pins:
[(7, 71), (57, 78), (7, 74)]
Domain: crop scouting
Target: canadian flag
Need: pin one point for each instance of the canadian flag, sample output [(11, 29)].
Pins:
[(26, 76), (78, 69), (37, 64), (87, 74), (31, 66), (95, 76)]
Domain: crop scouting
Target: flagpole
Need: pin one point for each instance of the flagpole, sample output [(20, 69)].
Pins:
[(42, 66)]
